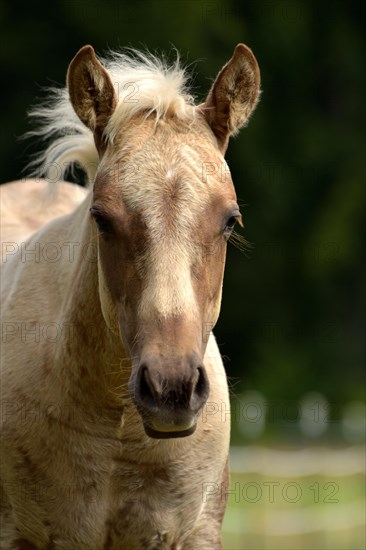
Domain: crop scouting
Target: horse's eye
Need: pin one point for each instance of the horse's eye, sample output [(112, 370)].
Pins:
[(230, 223), (102, 222)]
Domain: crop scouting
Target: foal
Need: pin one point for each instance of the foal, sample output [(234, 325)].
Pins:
[(111, 376)]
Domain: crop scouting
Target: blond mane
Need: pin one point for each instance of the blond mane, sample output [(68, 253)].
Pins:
[(143, 83)]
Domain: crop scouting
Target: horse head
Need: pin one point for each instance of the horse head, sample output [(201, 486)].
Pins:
[(163, 209)]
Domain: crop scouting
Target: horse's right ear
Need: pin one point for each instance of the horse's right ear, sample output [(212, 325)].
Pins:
[(91, 93), (233, 96)]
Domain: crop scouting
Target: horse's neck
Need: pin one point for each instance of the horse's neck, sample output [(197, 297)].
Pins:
[(90, 356)]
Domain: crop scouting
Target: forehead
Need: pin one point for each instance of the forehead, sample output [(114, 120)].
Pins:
[(170, 161), (172, 178)]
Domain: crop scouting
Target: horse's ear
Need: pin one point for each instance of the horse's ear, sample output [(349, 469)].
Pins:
[(91, 93), (233, 96)]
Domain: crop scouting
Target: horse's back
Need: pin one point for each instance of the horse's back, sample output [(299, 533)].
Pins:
[(32, 214), (27, 205)]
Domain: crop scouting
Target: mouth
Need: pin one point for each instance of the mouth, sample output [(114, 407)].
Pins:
[(159, 434)]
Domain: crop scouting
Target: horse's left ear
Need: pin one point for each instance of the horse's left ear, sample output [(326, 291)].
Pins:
[(91, 93), (233, 96)]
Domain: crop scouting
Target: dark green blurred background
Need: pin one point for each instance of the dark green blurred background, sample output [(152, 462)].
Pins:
[(293, 309)]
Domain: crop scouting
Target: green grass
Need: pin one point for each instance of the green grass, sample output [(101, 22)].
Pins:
[(316, 512)]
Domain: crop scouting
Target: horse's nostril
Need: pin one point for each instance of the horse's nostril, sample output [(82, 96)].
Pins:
[(180, 393), (201, 383), (202, 387), (147, 391)]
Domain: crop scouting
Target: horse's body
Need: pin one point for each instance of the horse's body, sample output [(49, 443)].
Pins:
[(28, 204), (78, 469), (108, 440)]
